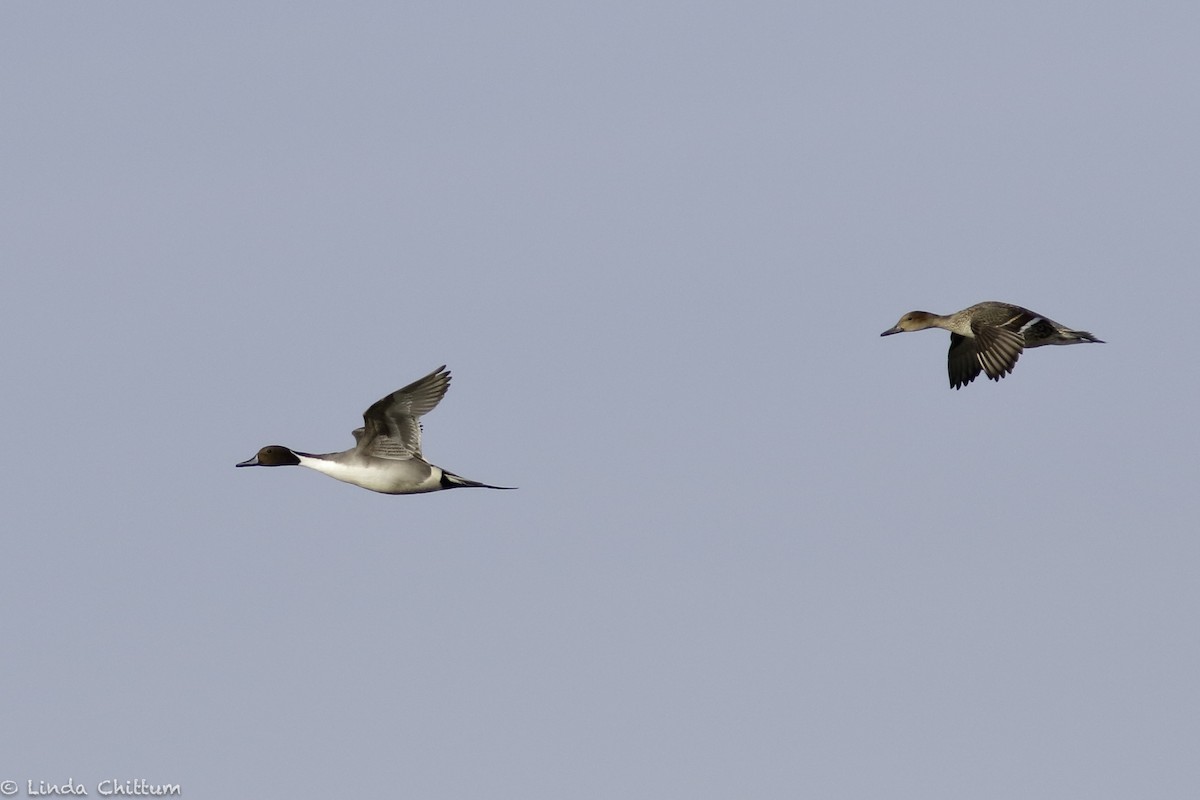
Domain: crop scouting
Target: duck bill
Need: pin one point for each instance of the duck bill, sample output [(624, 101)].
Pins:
[(890, 331), (250, 462)]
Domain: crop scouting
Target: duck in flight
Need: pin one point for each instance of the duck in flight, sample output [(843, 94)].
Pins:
[(387, 455), (990, 337)]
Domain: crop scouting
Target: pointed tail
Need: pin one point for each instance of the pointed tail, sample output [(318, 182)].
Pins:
[(452, 481), (1084, 336)]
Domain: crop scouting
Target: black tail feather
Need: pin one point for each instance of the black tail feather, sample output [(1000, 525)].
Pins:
[(452, 481)]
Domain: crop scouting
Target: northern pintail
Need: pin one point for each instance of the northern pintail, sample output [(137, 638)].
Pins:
[(387, 457), (990, 337)]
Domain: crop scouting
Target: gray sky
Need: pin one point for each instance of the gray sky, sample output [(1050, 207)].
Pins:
[(757, 551)]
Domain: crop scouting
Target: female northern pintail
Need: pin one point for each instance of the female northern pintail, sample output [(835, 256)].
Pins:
[(387, 457), (990, 337)]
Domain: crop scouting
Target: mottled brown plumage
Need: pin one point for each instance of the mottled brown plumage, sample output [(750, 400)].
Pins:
[(989, 337)]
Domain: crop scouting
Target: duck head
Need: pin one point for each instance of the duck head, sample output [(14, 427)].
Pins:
[(912, 321), (273, 455)]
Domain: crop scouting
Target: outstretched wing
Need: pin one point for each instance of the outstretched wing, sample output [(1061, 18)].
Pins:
[(963, 360), (998, 349), (392, 427)]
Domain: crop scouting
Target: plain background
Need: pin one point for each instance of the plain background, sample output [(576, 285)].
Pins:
[(757, 551)]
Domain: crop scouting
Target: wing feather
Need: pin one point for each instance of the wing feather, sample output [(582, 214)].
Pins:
[(392, 427)]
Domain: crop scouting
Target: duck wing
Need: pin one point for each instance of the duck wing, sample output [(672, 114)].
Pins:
[(998, 348), (963, 360), (392, 427)]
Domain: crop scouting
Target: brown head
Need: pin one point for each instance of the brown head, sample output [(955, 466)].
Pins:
[(273, 455), (912, 321)]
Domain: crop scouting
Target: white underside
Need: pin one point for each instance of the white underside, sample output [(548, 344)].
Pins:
[(386, 476)]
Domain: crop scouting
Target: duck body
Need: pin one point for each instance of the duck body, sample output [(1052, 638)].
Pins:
[(387, 455), (990, 337)]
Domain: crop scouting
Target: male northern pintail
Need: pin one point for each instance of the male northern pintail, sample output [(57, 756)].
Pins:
[(990, 337), (387, 457)]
